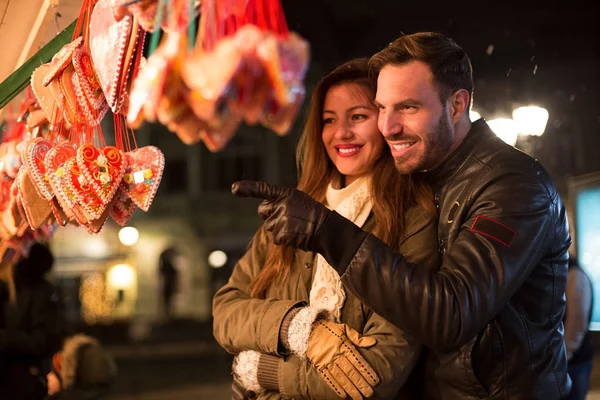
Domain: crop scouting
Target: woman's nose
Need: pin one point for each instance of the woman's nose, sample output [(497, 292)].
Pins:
[(343, 131)]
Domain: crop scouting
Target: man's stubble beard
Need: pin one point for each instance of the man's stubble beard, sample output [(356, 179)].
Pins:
[(436, 148)]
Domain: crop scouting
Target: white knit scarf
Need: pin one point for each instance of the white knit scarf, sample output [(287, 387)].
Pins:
[(354, 203)]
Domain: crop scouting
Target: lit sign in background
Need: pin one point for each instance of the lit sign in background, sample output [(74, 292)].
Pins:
[(588, 242)]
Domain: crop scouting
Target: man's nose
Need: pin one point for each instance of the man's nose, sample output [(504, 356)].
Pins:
[(388, 125)]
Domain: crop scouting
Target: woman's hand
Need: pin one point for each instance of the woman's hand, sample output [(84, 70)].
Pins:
[(332, 350)]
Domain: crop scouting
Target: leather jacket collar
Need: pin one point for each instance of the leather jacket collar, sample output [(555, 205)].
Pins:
[(452, 165)]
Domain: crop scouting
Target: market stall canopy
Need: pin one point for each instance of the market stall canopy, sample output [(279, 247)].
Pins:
[(27, 25)]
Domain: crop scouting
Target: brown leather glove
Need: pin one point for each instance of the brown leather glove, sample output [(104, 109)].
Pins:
[(296, 219), (332, 350)]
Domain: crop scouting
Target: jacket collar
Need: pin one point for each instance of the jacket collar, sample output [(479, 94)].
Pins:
[(479, 133)]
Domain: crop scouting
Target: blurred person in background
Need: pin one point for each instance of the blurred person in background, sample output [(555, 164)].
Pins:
[(578, 340), (168, 274), (31, 327), (82, 370)]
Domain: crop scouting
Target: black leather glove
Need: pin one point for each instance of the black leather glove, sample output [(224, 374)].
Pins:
[(292, 216), (295, 219)]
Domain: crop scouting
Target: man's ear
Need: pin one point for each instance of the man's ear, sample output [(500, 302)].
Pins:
[(459, 104)]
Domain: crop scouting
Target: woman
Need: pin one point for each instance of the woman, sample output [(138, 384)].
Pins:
[(343, 162)]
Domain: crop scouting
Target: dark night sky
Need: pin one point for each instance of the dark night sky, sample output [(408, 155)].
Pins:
[(547, 54)]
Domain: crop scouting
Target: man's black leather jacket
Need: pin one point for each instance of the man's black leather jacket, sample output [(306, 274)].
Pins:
[(492, 315)]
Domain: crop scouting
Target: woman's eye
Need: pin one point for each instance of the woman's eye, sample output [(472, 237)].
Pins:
[(359, 117)]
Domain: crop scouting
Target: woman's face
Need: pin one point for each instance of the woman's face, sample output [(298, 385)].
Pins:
[(350, 134)]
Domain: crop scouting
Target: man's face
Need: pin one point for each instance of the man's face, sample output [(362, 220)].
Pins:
[(413, 120)]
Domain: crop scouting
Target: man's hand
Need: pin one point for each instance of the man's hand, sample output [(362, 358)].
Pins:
[(293, 217), (332, 350)]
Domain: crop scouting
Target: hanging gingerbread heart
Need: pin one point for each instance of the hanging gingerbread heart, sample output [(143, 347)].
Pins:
[(61, 60), (95, 226), (143, 174), (54, 162), (103, 169), (82, 190), (108, 44), (37, 209), (88, 79), (33, 159), (90, 96), (24, 227), (123, 208), (59, 214), (43, 94), (66, 196), (72, 111), (130, 67), (91, 115), (61, 103)]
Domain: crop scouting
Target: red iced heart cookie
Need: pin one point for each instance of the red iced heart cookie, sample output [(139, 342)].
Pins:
[(102, 169), (88, 80), (109, 40), (82, 191), (54, 162), (143, 174)]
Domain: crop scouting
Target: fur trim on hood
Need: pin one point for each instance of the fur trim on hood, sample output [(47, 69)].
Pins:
[(84, 362)]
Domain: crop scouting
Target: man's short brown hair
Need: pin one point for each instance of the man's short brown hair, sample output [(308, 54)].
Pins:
[(449, 64)]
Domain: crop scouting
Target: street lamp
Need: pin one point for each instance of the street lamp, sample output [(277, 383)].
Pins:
[(505, 129), (531, 120), (217, 259), (129, 235), (121, 276)]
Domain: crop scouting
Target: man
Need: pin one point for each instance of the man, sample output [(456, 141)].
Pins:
[(578, 340), (491, 316)]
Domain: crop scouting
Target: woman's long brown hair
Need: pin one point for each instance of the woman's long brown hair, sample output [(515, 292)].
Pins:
[(391, 193)]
